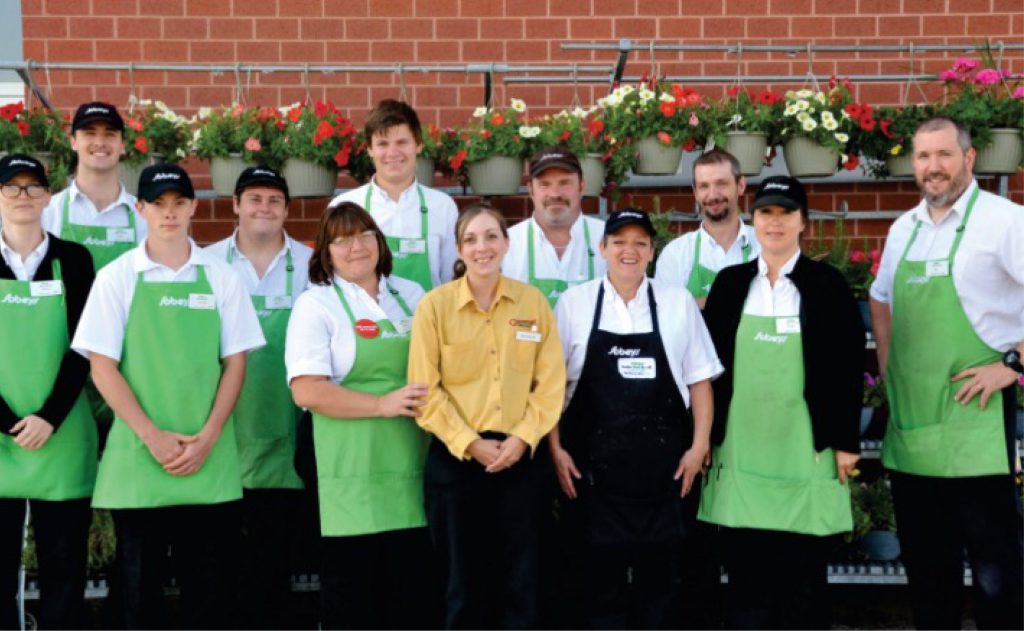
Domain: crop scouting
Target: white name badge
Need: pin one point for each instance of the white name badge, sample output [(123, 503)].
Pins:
[(121, 235), (787, 325), (637, 367), (403, 325), (528, 336), (277, 302), (937, 268), (201, 301), (412, 246), (46, 288)]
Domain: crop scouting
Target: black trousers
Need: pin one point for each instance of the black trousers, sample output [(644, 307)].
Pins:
[(937, 519), (701, 567), (486, 530), (777, 580), (272, 522), (203, 544), (632, 586), (383, 580), (61, 536)]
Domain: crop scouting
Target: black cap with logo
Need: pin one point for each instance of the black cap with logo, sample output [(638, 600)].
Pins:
[(157, 179), (261, 176), (781, 190), (554, 158), (628, 217), (17, 163), (96, 112)]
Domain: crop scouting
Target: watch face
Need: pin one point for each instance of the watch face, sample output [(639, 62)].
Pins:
[(1012, 357)]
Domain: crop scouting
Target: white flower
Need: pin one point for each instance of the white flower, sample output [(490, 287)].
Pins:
[(841, 137), (830, 124), (665, 97), (180, 152), (804, 94), (645, 95), (579, 112), (827, 116), (845, 115), (612, 100), (809, 124), (626, 90), (480, 112), (790, 95), (802, 105), (735, 120), (820, 98), (802, 116), (518, 105), (843, 158), (790, 110), (529, 132), (204, 112)]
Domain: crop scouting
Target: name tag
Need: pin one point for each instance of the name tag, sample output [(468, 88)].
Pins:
[(412, 246), (278, 302), (937, 268), (121, 235), (637, 367), (46, 288), (528, 336), (201, 301), (403, 325), (787, 325)]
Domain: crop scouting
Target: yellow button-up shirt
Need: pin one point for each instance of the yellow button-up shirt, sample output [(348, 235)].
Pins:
[(499, 370)]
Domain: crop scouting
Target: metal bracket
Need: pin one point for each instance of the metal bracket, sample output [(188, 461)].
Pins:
[(26, 77)]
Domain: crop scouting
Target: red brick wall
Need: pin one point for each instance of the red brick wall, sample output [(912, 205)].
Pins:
[(483, 31)]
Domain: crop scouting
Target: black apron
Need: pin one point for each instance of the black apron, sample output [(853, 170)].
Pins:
[(627, 427)]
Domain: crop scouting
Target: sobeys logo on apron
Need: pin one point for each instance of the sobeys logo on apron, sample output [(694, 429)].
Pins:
[(554, 295), (774, 339), (616, 351), (194, 301), (12, 299)]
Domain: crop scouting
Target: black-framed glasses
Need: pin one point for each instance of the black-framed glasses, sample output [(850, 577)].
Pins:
[(13, 191)]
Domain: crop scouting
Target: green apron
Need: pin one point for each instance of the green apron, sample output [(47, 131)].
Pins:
[(34, 339), (370, 470), (265, 417), (929, 433), (104, 244), (171, 361), (410, 259), (552, 288), (766, 473), (701, 278)]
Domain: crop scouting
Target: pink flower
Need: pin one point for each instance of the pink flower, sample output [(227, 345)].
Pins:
[(694, 121), (1018, 93), (965, 64), (947, 75), (252, 144), (856, 256), (988, 76), (664, 138), (868, 379)]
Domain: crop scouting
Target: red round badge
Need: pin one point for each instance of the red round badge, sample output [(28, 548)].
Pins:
[(367, 328)]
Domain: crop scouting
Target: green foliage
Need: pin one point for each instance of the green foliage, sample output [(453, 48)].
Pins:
[(155, 129), (892, 136), (858, 267), (38, 132), (874, 391), (872, 507), (830, 119), (316, 132), (745, 110), (494, 133), (675, 115), (102, 544), (239, 130)]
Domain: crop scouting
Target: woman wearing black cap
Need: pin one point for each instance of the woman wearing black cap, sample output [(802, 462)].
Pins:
[(786, 418), (638, 359), (48, 437)]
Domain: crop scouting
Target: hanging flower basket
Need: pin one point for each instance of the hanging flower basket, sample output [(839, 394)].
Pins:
[(656, 158), (750, 148), (805, 158), (424, 170), (1003, 156), (496, 175), (129, 172), (593, 174), (899, 166), (224, 172), (309, 179)]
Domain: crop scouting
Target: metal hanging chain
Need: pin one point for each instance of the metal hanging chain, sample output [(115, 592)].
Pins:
[(576, 103), (401, 83), (905, 96), (653, 72), (132, 99), (238, 84), (305, 81), (811, 78)]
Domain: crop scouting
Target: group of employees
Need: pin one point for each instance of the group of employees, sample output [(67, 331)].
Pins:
[(460, 373)]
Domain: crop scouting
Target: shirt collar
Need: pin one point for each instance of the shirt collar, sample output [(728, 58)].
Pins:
[(959, 206), (380, 192), (39, 250), (762, 266), (611, 294), (123, 198), (574, 230), (355, 291), (142, 263), (465, 295), (742, 238), (233, 245)]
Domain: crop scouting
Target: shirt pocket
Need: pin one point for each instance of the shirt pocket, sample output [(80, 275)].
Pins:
[(462, 363), (522, 353)]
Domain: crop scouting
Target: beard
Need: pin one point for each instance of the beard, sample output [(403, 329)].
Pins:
[(712, 216), (958, 183)]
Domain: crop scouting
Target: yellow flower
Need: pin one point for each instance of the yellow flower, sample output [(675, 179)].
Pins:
[(896, 150)]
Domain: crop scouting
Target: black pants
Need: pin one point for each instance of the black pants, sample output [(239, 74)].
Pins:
[(632, 586), (61, 535), (701, 567), (777, 580), (379, 581), (486, 530), (272, 522), (937, 519), (203, 542)]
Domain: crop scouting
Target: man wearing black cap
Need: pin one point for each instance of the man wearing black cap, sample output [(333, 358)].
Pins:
[(95, 210), (47, 433), (275, 269), (557, 247), (166, 329), (638, 360)]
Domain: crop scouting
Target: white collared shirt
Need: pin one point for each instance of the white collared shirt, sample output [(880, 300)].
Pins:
[(688, 347), (401, 219), (24, 269), (988, 271), (81, 211), (782, 300), (572, 267), (321, 340), (675, 263), (275, 278), (102, 326)]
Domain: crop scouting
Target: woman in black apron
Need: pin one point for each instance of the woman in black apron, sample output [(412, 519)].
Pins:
[(627, 449)]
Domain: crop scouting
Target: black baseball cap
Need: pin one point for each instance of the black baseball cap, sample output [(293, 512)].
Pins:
[(157, 179), (554, 158), (781, 190), (18, 163), (628, 217), (261, 176), (94, 112)]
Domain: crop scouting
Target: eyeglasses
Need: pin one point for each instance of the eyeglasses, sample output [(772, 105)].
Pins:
[(364, 238), (13, 191)]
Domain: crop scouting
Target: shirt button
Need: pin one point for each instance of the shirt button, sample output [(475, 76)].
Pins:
[(497, 407), (494, 352), (487, 321)]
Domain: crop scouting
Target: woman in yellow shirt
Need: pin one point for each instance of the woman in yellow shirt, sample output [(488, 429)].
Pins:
[(488, 350)]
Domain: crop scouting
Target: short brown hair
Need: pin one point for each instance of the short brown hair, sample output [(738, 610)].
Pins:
[(467, 215), (345, 219), (391, 113), (717, 156)]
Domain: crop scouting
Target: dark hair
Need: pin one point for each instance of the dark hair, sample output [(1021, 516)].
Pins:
[(936, 123), (391, 113), (467, 215), (345, 219), (717, 156)]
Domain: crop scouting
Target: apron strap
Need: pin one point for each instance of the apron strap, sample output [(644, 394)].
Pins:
[(288, 269), (590, 249), (959, 229), (398, 298), (656, 328), (423, 212), (531, 273), (344, 302)]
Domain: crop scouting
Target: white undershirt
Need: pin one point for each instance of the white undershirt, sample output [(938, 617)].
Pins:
[(24, 269)]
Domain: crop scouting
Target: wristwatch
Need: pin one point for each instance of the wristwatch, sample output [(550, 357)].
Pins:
[(1011, 358)]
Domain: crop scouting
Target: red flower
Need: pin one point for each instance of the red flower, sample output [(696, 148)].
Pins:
[(134, 123), (565, 136), (323, 131), (690, 145), (23, 128), (294, 114), (279, 124), (320, 109), (596, 127), (668, 109), (341, 158), (456, 161), (140, 145), (856, 256), (664, 138), (252, 144), (884, 124), (851, 163), (767, 97), (677, 91), (853, 110), (434, 132), (693, 98), (7, 113), (866, 110), (867, 122), (876, 256), (485, 133), (733, 91), (237, 110), (874, 268), (497, 119)]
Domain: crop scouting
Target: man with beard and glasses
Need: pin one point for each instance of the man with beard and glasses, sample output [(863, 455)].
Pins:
[(694, 259), (557, 247), (948, 310)]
